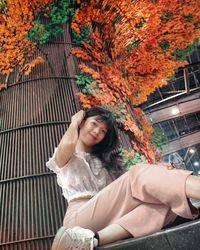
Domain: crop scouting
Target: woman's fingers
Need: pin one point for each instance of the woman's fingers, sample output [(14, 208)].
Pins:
[(78, 117), (173, 165), (169, 166)]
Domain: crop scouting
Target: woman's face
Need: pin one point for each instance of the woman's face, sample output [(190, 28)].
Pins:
[(92, 131)]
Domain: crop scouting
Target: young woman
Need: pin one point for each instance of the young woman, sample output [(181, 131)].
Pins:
[(103, 208)]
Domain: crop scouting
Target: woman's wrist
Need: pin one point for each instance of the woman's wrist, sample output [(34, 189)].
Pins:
[(74, 125)]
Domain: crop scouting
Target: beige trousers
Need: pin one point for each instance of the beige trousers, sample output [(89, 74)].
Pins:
[(142, 201)]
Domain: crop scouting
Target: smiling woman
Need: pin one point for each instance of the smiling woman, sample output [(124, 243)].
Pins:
[(93, 132), (141, 201)]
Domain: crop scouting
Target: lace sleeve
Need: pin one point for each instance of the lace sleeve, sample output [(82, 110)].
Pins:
[(51, 163)]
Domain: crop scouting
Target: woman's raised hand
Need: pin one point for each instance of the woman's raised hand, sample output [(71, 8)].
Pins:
[(78, 117), (68, 142)]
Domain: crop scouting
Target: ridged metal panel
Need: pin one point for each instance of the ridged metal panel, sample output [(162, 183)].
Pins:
[(36, 102), (29, 205), (36, 244), (25, 151), (34, 114), (31, 201)]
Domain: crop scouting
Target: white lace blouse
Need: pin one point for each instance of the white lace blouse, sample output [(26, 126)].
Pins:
[(82, 176)]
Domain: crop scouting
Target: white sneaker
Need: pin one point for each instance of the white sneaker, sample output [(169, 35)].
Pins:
[(75, 238)]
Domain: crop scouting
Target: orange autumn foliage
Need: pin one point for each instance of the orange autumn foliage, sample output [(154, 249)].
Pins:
[(16, 19), (127, 39), (3, 86), (26, 69), (80, 53), (95, 75), (88, 101), (142, 64)]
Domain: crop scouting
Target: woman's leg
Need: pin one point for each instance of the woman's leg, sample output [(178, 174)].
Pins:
[(193, 187), (112, 233), (143, 220), (116, 232), (142, 184), (115, 212)]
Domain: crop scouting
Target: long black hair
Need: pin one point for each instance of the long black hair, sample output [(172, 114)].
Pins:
[(106, 150)]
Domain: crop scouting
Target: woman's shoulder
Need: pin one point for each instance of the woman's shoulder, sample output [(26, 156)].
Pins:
[(51, 164)]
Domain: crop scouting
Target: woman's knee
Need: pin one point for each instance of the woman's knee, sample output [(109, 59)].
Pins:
[(193, 187), (148, 183)]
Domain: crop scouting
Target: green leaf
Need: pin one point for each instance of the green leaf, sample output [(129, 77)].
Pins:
[(188, 17), (83, 36), (159, 139), (84, 81), (131, 160), (197, 24), (166, 16), (59, 13), (141, 23), (134, 44), (180, 54), (164, 45), (3, 4)]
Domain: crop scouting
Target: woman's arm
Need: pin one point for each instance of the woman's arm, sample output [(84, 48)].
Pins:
[(69, 140)]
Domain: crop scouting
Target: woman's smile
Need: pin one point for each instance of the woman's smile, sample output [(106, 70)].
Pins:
[(94, 137)]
